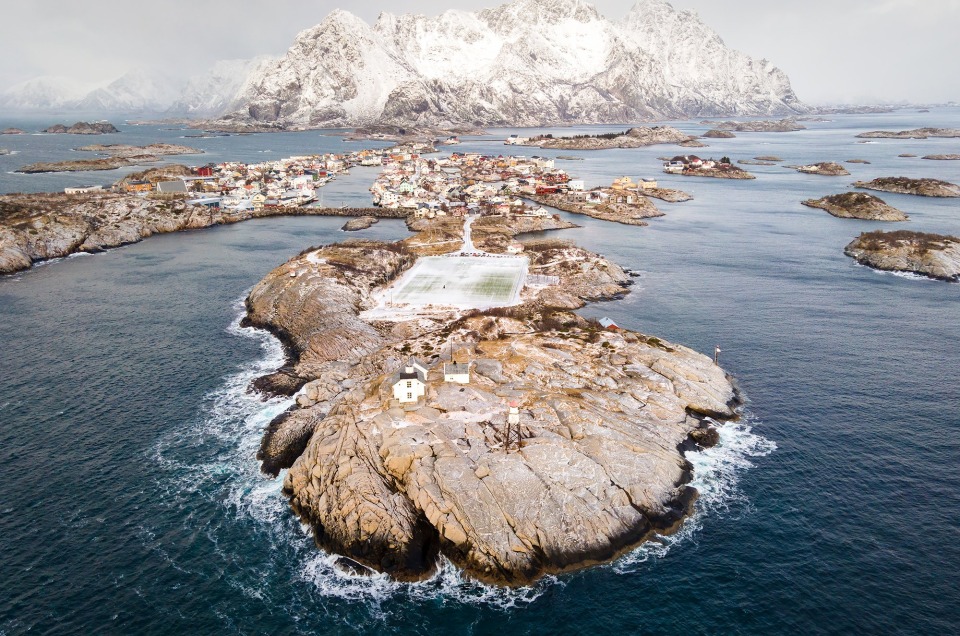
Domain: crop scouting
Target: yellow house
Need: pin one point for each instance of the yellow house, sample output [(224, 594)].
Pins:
[(624, 183)]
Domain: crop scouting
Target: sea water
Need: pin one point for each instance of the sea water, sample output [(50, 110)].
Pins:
[(131, 500)]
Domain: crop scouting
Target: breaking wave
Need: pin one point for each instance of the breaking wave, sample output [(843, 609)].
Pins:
[(224, 470)]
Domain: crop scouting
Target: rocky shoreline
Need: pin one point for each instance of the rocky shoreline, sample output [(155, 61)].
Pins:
[(604, 418), (857, 205), (38, 227), (932, 255)]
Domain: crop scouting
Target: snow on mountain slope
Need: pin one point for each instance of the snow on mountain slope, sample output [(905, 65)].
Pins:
[(136, 91), (524, 63), (42, 93), (218, 89)]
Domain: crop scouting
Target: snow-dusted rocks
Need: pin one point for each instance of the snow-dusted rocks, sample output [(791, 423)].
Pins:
[(529, 62)]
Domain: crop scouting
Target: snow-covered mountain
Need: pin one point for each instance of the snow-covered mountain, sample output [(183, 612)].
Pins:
[(136, 91), (217, 90), (43, 93), (529, 62)]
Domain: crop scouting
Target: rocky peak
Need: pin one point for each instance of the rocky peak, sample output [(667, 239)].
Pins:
[(542, 11)]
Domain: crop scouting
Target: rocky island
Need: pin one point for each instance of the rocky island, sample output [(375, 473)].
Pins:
[(83, 128), (513, 441), (120, 156), (37, 227), (931, 255), (917, 133), (719, 134), (824, 168), (950, 157), (637, 137), (632, 212), (857, 205), (905, 185), (12, 131), (359, 223), (781, 125)]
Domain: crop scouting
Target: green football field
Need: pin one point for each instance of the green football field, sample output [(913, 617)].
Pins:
[(463, 281)]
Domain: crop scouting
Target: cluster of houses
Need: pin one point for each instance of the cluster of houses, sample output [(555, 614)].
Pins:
[(466, 183), (289, 182), (686, 163)]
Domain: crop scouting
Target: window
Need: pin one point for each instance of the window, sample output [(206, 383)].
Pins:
[(409, 384), (409, 396)]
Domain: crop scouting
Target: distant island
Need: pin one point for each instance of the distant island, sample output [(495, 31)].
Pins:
[(121, 155), (825, 168), (906, 185), (916, 133), (632, 138), (782, 125), (83, 128), (931, 255)]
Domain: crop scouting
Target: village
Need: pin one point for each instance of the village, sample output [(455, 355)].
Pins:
[(291, 182)]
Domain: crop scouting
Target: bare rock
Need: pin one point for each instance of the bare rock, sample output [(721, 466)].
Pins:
[(905, 185)]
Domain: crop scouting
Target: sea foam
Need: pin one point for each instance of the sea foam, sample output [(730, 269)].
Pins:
[(237, 418)]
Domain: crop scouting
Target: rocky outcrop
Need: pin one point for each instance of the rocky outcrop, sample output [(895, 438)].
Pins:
[(360, 223), (36, 227), (932, 255), (857, 205), (783, 125), (951, 157), (824, 168), (638, 137), (917, 133), (719, 134), (905, 185), (83, 128), (593, 466), (768, 158), (860, 161), (4, 151), (12, 131)]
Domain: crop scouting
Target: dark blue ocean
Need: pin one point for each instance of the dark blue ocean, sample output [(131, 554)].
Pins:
[(131, 502)]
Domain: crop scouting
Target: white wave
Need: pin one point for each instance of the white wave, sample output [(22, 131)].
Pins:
[(235, 419), (716, 476), (447, 584)]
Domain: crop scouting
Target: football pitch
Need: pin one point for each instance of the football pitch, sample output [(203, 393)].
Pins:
[(462, 281)]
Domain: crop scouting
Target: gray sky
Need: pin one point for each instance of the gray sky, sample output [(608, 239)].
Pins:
[(833, 50)]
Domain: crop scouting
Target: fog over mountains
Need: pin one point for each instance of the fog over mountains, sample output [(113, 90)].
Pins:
[(529, 62)]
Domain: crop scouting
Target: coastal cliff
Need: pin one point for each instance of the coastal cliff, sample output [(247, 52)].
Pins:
[(595, 462)]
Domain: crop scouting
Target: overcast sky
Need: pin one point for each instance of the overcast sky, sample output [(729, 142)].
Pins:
[(833, 50)]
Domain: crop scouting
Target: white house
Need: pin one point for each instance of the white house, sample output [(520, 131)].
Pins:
[(455, 372), (83, 189), (409, 385), (576, 185)]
